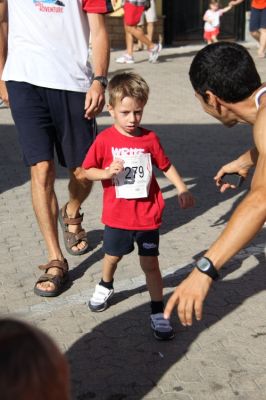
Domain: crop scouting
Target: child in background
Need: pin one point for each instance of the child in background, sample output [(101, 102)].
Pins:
[(212, 21), (122, 157)]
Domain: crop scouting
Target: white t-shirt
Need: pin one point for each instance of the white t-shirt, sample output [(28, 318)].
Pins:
[(48, 44), (214, 17)]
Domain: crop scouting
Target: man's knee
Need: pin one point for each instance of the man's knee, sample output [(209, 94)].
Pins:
[(43, 174)]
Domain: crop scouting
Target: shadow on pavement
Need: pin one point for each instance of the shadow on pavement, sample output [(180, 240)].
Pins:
[(119, 359)]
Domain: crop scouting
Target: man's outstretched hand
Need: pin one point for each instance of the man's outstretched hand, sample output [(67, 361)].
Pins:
[(188, 297)]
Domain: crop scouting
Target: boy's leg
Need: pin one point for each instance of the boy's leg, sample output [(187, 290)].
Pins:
[(104, 290), (161, 327), (150, 267)]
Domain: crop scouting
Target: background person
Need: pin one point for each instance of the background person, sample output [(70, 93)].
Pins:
[(212, 21), (257, 23), (150, 17), (132, 14)]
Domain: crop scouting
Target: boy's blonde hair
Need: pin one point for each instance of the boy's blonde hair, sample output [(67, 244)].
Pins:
[(127, 84)]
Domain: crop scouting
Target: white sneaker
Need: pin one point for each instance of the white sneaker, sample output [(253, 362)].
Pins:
[(161, 327), (125, 59), (154, 53), (100, 297)]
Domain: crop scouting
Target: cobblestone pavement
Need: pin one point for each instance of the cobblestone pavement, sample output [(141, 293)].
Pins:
[(113, 355)]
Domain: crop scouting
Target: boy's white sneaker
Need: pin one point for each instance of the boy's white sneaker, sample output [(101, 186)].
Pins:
[(154, 53), (161, 327), (125, 59), (100, 297)]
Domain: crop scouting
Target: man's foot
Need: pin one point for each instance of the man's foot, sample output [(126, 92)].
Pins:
[(161, 327), (75, 238), (51, 283), (154, 53), (100, 297), (125, 59)]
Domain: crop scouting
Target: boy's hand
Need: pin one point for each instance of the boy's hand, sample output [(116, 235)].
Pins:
[(115, 168), (186, 200)]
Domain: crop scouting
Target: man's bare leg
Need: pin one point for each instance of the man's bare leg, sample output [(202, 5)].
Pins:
[(78, 192), (262, 42), (46, 210)]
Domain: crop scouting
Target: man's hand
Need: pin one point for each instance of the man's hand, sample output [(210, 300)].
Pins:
[(188, 297), (3, 93), (95, 100), (232, 167)]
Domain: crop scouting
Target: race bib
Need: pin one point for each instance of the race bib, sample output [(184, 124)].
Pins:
[(134, 181)]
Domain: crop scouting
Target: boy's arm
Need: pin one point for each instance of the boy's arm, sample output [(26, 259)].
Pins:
[(185, 198), (99, 174), (173, 176), (3, 47)]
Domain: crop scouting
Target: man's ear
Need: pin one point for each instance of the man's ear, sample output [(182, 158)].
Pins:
[(211, 99)]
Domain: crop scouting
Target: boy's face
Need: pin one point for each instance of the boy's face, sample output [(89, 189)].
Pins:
[(127, 115)]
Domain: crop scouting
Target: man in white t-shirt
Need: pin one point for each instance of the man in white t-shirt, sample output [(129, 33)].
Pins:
[(54, 95)]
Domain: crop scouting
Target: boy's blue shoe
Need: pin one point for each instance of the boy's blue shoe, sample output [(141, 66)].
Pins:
[(161, 327)]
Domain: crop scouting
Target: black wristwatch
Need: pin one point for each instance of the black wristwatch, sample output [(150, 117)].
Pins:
[(205, 266), (102, 79)]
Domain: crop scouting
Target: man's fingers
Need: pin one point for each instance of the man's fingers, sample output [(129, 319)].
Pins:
[(198, 307), (171, 304)]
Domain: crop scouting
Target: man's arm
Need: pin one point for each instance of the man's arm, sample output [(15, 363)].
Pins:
[(95, 98), (243, 225), (3, 47)]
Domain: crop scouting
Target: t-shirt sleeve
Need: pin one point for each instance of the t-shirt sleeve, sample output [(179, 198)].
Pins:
[(159, 158), (97, 6)]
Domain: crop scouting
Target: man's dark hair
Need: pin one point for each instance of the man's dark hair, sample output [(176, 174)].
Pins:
[(227, 70)]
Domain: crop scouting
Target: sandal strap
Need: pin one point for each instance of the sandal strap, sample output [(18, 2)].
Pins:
[(75, 238), (71, 221), (55, 279), (60, 264)]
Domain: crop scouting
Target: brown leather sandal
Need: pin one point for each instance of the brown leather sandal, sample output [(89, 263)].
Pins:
[(57, 280), (72, 239)]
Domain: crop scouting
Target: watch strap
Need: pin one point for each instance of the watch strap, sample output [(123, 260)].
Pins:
[(211, 271)]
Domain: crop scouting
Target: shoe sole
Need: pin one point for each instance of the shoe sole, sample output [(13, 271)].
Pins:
[(161, 338)]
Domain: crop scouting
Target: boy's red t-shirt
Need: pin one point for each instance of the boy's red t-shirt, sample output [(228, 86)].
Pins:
[(131, 214)]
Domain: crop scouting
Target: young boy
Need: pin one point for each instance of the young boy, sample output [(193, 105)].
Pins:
[(122, 157), (212, 21)]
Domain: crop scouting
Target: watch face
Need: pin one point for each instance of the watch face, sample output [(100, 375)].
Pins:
[(203, 264)]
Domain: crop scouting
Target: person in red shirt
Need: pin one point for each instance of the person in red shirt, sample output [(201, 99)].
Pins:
[(257, 23), (122, 157)]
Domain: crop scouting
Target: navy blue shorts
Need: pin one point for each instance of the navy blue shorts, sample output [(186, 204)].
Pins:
[(49, 119), (118, 242), (257, 19)]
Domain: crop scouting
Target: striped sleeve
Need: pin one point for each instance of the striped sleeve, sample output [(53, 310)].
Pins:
[(97, 6)]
